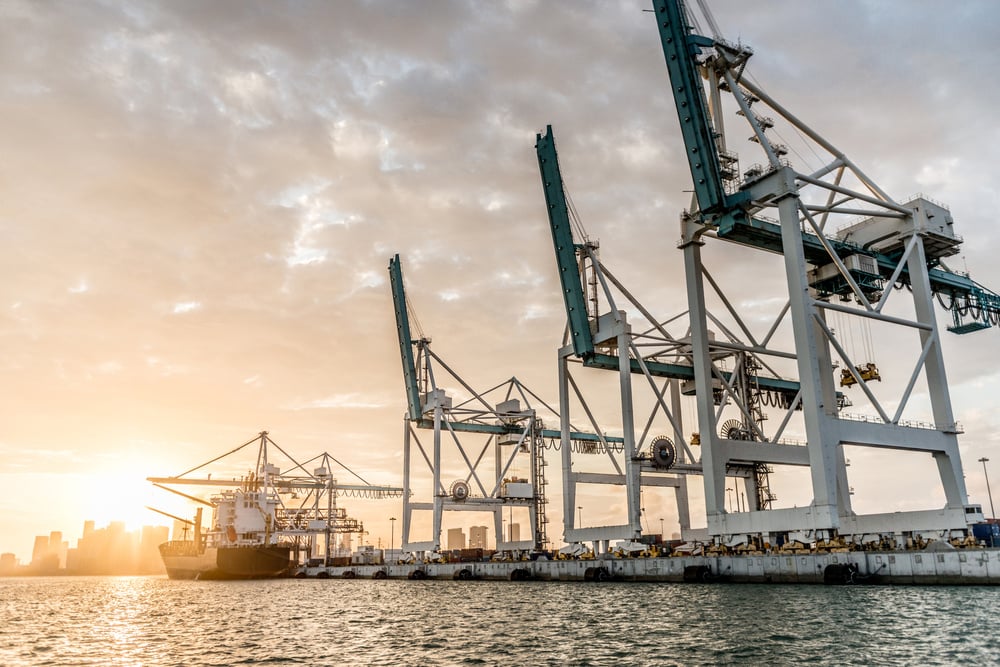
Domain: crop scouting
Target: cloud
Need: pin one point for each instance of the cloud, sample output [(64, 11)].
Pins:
[(186, 307), (339, 401)]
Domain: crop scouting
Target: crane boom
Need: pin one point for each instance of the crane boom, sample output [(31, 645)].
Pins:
[(566, 248), (405, 338), (680, 47)]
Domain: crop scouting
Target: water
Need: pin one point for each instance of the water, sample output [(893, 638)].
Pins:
[(156, 621)]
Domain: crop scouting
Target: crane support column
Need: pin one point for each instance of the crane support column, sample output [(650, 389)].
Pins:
[(632, 483), (404, 537), (566, 445), (948, 460), (438, 488), (815, 372), (712, 463), (681, 491)]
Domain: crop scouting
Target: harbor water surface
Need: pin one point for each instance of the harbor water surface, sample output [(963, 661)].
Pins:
[(156, 621)]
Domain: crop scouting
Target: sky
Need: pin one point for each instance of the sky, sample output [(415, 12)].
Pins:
[(200, 201)]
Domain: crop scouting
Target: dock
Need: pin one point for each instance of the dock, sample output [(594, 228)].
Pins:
[(961, 567)]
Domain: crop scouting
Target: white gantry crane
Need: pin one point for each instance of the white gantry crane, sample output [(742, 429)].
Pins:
[(653, 359), (851, 254), (488, 443)]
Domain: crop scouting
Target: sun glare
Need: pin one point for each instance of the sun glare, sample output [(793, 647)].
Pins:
[(122, 494)]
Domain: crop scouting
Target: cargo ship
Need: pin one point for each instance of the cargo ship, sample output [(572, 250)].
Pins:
[(265, 524), (240, 545)]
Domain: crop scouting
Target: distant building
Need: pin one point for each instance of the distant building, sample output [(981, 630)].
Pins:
[(8, 563), (41, 548), (456, 538), (477, 537), (149, 549), (57, 547), (111, 550), (44, 558)]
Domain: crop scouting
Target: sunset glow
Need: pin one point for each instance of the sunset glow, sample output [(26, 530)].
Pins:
[(122, 495)]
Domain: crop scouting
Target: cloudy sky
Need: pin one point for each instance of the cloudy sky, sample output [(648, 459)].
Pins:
[(200, 201)]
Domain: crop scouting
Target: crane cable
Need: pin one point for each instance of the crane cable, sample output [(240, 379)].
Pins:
[(574, 217)]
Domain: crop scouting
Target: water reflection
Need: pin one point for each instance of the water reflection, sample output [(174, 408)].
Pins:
[(155, 621)]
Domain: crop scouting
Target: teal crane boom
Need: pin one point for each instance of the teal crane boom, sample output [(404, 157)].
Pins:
[(566, 249), (679, 48), (406, 341)]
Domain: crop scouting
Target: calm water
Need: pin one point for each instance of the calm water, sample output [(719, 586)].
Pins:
[(155, 621)]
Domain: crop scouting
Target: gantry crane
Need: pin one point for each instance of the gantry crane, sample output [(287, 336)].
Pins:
[(604, 340), (514, 432), (607, 340), (885, 270)]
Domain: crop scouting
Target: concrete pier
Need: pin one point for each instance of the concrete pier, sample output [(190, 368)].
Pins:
[(958, 567)]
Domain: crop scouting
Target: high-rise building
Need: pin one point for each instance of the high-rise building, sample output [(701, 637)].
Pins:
[(57, 547), (149, 548), (8, 563), (456, 538), (40, 549), (44, 557), (477, 537)]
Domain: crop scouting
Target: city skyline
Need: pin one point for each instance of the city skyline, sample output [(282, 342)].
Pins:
[(107, 550)]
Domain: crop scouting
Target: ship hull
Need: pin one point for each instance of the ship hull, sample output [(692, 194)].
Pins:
[(258, 562), (190, 566)]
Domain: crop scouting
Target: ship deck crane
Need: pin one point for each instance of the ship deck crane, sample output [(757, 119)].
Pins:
[(864, 264)]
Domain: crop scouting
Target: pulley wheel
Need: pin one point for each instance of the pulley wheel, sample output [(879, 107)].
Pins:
[(662, 452), (459, 490)]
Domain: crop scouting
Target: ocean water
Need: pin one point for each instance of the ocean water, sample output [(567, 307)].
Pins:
[(155, 621)]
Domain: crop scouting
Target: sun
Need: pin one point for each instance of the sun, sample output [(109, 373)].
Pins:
[(122, 494)]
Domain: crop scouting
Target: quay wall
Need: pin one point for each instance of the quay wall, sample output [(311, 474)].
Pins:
[(960, 567)]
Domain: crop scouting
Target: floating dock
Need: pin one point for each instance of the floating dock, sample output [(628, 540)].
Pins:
[(963, 567)]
